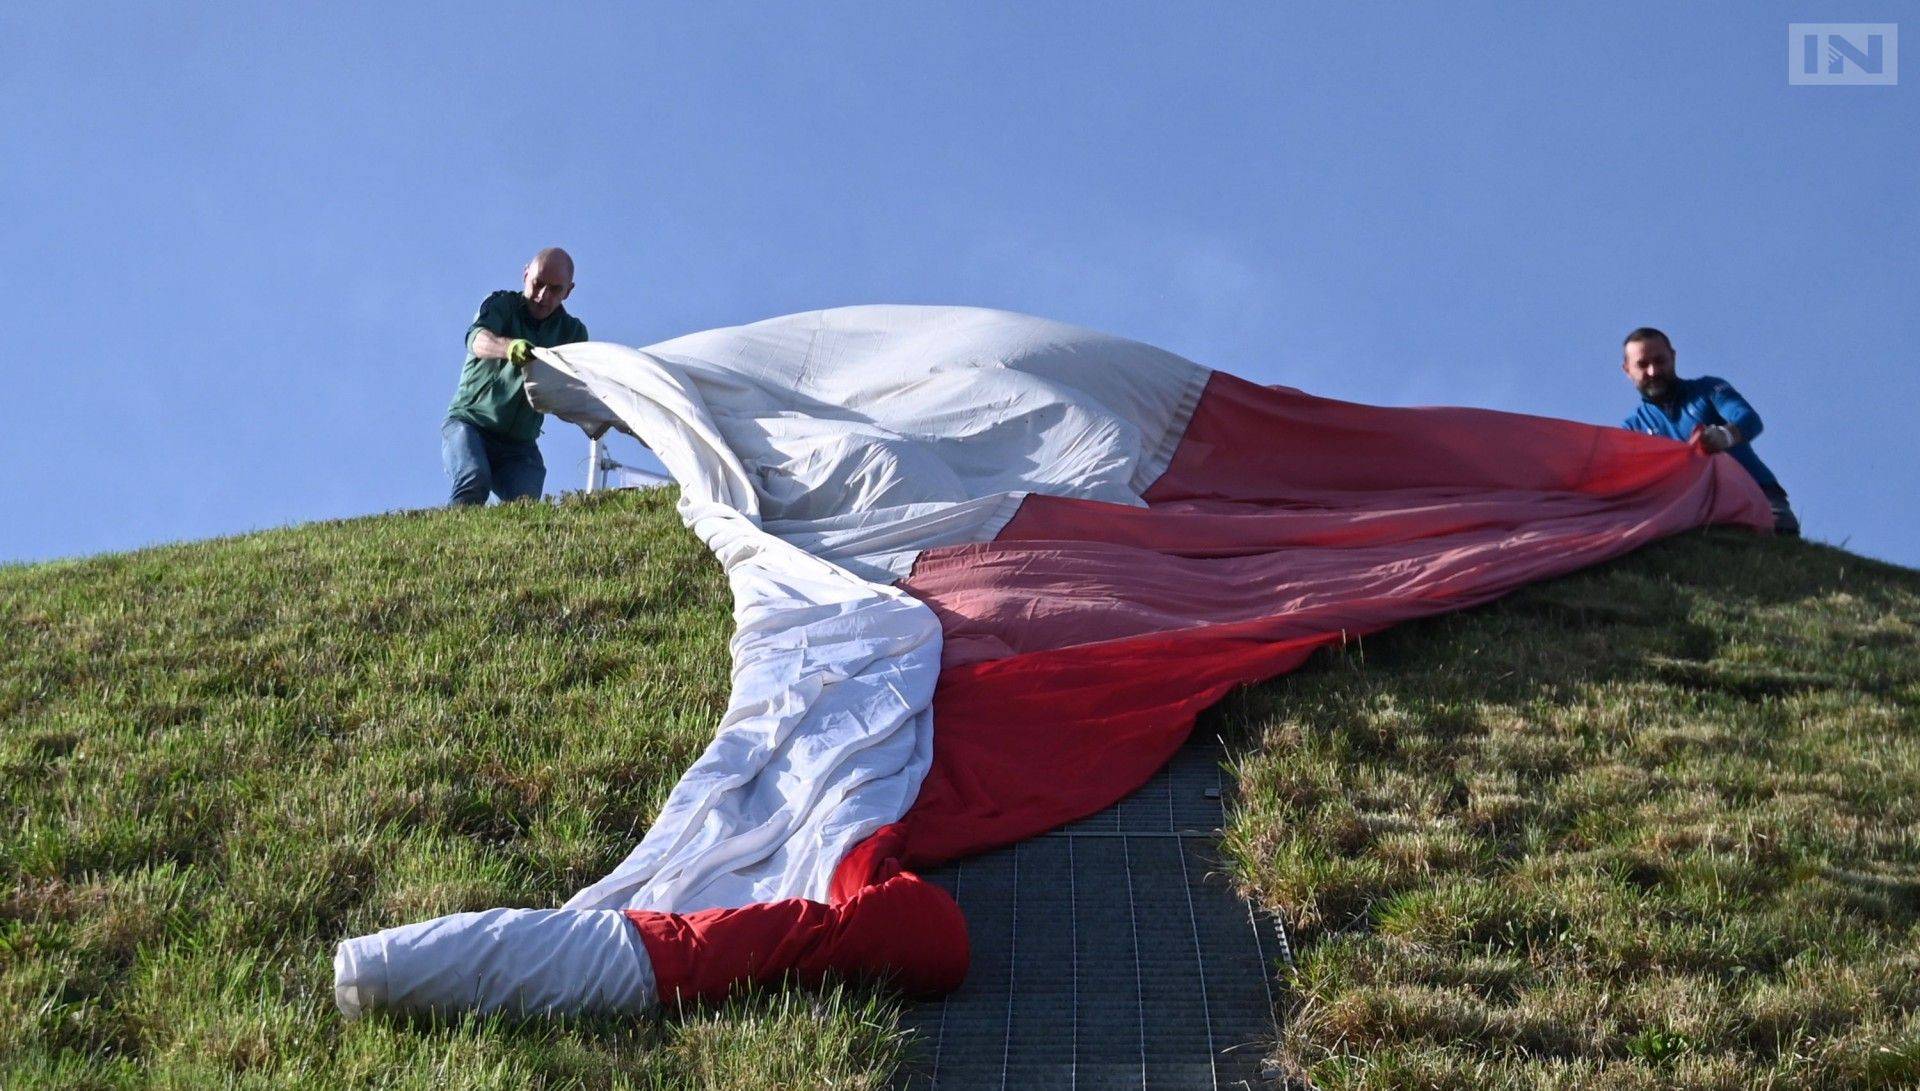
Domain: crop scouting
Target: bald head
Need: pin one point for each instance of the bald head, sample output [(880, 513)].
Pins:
[(549, 280), (556, 259)]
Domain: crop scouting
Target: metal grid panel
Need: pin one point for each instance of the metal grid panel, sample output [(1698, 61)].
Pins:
[(1107, 954)]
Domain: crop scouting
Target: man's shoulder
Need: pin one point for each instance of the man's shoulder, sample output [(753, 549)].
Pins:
[(496, 313), (1706, 384)]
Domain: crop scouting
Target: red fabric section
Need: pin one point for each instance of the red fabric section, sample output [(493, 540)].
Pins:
[(1247, 442), (903, 929), (1082, 642), (874, 860), (1093, 723)]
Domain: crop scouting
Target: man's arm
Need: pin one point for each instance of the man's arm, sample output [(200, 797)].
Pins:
[(1740, 416), (488, 345)]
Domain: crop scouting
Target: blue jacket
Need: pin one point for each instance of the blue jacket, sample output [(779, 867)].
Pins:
[(1696, 403)]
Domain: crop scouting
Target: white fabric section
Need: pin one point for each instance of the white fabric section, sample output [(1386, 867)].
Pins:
[(523, 961), (817, 455), (874, 432), (858, 437), (829, 730)]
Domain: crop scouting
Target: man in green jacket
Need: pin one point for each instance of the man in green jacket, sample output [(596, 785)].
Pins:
[(488, 443)]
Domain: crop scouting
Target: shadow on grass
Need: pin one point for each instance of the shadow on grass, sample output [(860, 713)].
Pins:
[(1619, 818)]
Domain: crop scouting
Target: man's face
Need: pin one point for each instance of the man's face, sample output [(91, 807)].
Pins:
[(547, 284), (1649, 364)]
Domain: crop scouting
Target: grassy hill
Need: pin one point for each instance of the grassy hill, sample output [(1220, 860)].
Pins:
[(1653, 825)]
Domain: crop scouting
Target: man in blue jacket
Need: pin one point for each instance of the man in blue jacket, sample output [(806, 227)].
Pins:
[(1706, 409)]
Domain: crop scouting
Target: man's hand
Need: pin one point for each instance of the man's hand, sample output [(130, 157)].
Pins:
[(1715, 438), (519, 351)]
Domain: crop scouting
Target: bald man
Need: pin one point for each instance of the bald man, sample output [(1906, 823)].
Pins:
[(488, 443)]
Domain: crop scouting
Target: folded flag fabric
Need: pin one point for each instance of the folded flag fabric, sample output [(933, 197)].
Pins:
[(987, 568)]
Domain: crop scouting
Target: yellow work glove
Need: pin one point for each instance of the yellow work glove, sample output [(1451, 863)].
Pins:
[(519, 351)]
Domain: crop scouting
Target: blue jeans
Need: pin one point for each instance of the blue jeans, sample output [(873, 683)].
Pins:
[(479, 462)]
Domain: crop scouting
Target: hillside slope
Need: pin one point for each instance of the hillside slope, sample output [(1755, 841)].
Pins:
[(220, 759), (1653, 825), (1658, 818)]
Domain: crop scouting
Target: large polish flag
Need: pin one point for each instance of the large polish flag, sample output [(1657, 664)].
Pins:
[(987, 569)]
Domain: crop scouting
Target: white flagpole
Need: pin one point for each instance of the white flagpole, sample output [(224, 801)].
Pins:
[(593, 465)]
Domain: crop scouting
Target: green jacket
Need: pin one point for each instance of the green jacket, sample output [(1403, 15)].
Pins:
[(492, 392)]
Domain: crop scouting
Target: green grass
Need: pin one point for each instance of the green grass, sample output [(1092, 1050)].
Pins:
[(220, 759), (1654, 825), (1650, 826)]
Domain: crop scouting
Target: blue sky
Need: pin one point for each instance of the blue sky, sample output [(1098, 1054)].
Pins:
[(242, 250)]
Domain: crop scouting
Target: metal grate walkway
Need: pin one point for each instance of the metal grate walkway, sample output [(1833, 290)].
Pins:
[(1107, 954)]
